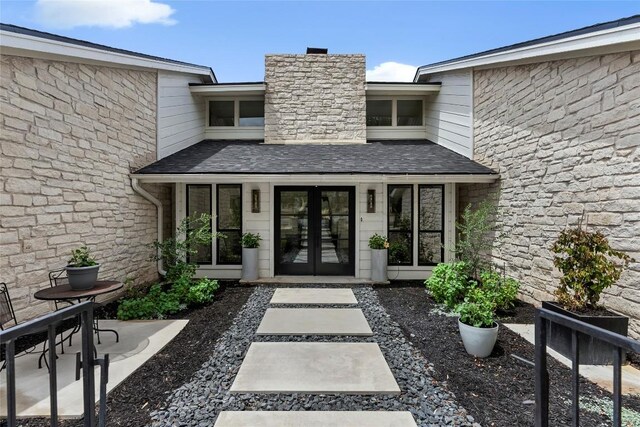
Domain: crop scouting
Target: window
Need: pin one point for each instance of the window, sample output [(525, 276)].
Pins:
[(400, 217), (409, 112), (431, 224), (379, 113), (199, 202), (394, 112), (221, 113), (251, 113), (229, 221), (236, 113)]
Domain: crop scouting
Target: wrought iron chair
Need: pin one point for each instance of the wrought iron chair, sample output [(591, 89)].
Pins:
[(7, 315)]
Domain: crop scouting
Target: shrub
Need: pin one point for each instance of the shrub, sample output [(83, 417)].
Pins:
[(475, 238), (156, 304), (250, 240), (504, 290), (449, 283), (202, 292), (175, 253), (478, 309), (81, 258), (378, 242), (587, 263)]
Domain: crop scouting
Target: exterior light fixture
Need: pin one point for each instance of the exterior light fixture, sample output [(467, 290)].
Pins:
[(371, 201), (255, 201)]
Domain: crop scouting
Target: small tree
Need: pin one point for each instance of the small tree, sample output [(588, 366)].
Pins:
[(475, 238), (587, 263), (176, 252)]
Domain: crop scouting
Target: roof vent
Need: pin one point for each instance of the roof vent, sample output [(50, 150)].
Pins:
[(317, 51)]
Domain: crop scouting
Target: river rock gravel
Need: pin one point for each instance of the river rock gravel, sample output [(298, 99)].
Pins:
[(198, 402)]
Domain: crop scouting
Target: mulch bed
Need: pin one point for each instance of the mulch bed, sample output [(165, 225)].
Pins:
[(499, 390), (130, 403)]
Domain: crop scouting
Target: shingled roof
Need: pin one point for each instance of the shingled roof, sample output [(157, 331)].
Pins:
[(414, 157)]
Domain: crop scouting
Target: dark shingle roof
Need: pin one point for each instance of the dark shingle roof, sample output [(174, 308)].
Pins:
[(415, 157)]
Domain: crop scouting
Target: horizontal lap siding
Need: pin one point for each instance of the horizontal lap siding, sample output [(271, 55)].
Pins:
[(181, 116), (449, 113)]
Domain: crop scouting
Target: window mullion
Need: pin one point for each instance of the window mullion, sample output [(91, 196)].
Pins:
[(394, 112)]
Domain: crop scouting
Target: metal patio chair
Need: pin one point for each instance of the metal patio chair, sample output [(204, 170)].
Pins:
[(7, 315)]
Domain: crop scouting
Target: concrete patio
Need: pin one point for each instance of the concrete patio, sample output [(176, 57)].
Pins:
[(139, 341)]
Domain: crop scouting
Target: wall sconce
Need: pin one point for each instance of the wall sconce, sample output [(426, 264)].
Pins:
[(371, 201), (255, 201)]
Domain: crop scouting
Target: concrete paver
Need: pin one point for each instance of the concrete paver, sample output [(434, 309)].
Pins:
[(315, 419), (313, 296), (315, 368), (314, 321)]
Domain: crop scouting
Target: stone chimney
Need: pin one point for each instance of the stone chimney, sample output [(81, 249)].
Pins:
[(315, 99)]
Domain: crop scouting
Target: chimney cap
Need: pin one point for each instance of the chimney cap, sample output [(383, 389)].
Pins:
[(317, 51)]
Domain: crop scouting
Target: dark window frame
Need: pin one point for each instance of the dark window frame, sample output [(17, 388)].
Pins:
[(209, 186), (411, 230), (233, 116), (390, 101), (218, 229), (239, 118), (441, 230)]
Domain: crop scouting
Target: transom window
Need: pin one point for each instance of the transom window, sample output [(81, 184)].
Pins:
[(236, 113), (394, 112)]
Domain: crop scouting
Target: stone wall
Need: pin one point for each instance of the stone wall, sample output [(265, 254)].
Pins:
[(70, 134), (565, 138), (315, 99)]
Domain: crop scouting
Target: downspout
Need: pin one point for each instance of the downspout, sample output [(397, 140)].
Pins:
[(144, 193)]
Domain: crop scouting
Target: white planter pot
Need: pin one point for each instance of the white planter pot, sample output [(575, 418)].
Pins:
[(379, 265), (249, 264), (478, 342)]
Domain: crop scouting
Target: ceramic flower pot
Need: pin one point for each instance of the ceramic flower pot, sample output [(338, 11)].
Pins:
[(82, 278), (249, 264), (379, 265), (478, 342)]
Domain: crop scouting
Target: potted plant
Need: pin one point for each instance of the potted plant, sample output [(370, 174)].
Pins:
[(379, 245), (82, 269), (477, 325), (589, 266), (250, 245)]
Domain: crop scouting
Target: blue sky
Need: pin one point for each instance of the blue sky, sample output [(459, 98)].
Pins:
[(232, 37)]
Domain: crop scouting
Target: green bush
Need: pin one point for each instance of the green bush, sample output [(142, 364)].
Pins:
[(504, 290), (476, 237), (378, 242), (588, 265), (251, 240), (449, 283), (202, 292), (156, 304), (478, 308)]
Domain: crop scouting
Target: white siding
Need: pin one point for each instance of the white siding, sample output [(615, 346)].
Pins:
[(449, 114), (181, 116)]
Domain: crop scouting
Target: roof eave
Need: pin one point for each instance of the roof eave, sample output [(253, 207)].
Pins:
[(13, 43), (315, 177), (610, 40)]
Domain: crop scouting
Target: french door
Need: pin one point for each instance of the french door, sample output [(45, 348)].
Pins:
[(315, 230)]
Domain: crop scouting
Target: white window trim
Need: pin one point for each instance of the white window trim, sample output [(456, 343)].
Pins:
[(236, 112), (394, 112)]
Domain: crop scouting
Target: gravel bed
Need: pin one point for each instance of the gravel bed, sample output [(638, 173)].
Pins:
[(198, 402)]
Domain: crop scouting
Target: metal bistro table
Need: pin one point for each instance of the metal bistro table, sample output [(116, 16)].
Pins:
[(76, 296)]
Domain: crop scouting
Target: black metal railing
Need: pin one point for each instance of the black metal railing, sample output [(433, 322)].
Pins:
[(49, 322), (619, 342)]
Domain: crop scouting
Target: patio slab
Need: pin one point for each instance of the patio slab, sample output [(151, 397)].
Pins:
[(599, 374), (139, 341), (313, 296), (315, 368), (314, 321), (315, 419)]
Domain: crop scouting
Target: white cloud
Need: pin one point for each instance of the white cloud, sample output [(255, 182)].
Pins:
[(392, 72), (102, 13)]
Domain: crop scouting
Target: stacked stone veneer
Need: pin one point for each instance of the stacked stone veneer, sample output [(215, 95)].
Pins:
[(70, 134), (565, 138), (315, 99)]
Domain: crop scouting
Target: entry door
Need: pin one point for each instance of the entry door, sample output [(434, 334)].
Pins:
[(315, 231)]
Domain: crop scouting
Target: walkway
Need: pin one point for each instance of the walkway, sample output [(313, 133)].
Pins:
[(322, 357)]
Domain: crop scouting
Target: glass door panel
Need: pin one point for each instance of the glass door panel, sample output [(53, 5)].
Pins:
[(293, 251)]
